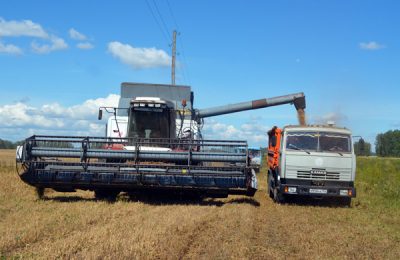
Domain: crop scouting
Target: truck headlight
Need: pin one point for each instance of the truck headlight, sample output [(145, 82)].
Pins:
[(290, 189), (344, 192)]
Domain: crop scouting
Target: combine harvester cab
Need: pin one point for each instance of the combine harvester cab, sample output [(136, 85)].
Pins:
[(153, 141)]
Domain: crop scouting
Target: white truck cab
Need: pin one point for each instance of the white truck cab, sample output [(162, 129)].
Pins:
[(313, 160)]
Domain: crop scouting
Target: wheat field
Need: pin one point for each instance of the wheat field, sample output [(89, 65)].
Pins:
[(75, 225)]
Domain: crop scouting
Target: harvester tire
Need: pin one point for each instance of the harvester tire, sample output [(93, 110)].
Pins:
[(107, 195), (40, 192)]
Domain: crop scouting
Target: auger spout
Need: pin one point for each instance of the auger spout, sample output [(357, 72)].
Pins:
[(297, 99)]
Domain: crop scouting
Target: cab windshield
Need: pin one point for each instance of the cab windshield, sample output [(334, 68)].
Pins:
[(318, 142), (149, 123)]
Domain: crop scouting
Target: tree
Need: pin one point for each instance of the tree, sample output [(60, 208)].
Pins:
[(4, 144), (362, 148), (388, 144)]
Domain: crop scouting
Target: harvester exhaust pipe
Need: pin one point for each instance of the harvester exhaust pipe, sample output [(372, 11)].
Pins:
[(297, 99)]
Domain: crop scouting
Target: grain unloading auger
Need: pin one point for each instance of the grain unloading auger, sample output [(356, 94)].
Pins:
[(151, 151)]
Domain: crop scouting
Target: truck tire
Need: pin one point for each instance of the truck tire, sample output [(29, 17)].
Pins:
[(346, 201), (269, 186), (278, 196), (107, 195)]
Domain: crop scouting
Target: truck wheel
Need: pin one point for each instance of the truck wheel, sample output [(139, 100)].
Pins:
[(278, 196), (107, 195), (346, 201), (269, 186)]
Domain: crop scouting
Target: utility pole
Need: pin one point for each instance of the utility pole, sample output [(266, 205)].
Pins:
[(173, 57)]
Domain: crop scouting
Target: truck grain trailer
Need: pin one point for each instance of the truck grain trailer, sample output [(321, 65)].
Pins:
[(153, 141), (313, 160)]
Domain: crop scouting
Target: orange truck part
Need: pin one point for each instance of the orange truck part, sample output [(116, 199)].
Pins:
[(274, 144)]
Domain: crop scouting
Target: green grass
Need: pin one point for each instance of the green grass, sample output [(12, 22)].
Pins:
[(378, 183)]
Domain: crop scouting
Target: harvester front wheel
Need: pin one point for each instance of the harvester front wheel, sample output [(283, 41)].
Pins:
[(40, 192), (107, 195)]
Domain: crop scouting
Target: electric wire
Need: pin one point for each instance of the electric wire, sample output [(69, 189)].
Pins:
[(184, 69), (162, 25), (172, 15), (165, 35), (161, 18)]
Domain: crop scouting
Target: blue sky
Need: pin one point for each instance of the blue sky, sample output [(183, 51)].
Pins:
[(344, 55)]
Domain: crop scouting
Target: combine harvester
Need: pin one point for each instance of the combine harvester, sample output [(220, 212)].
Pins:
[(153, 141)]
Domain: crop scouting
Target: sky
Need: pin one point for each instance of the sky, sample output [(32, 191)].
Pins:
[(61, 60)]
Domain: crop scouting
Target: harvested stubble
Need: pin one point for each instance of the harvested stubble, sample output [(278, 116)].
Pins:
[(77, 226)]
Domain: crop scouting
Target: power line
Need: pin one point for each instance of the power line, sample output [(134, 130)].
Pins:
[(172, 15), (161, 18), (162, 25), (184, 67), (166, 35)]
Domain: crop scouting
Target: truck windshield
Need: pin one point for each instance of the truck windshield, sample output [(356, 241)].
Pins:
[(302, 141), (149, 123), (333, 142), (318, 142)]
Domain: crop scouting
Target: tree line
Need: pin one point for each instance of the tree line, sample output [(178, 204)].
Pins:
[(5, 144), (388, 144), (363, 148)]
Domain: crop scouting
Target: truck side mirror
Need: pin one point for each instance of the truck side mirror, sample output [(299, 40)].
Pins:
[(100, 116)]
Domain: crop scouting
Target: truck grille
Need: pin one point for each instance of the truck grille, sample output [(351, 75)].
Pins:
[(318, 175), (308, 173)]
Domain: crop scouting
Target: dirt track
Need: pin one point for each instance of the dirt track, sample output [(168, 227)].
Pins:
[(76, 226)]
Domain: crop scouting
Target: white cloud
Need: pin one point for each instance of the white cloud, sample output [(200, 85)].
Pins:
[(74, 34), (28, 28), (23, 120), (86, 110), (85, 45), (10, 49), (253, 132), (371, 46), (139, 58), (21, 28), (55, 44)]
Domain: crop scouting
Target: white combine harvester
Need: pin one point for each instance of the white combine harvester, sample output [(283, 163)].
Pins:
[(153, 141)]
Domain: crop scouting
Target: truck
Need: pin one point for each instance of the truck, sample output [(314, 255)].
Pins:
[(313, 161), (153, 141)]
